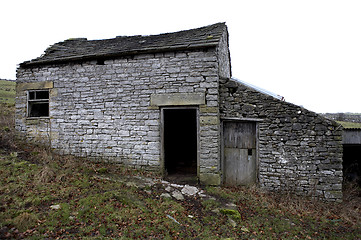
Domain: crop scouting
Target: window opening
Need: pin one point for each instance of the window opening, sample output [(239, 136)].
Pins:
[(249, 152), (38, 103)]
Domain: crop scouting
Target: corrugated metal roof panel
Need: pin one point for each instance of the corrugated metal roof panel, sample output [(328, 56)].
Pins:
[(260, 89)]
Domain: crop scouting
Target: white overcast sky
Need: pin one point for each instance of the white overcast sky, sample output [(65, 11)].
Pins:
[(308, 51)]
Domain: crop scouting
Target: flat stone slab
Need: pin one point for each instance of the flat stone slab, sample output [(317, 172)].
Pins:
[(177, 195), (165, 195), (176, 185), (189, 190), (55, 207)]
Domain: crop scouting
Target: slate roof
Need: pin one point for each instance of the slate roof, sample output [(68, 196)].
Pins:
[(83, 49)]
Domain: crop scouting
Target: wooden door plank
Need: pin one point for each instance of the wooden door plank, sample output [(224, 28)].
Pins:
[(247, 169), (239, 135), (239, 153), (231, 165)]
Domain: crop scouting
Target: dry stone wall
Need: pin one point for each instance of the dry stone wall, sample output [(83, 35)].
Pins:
[(299, 151), (102, 110)]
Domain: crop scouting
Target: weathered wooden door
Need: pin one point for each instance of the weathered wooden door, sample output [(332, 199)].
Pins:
[(239, 152)]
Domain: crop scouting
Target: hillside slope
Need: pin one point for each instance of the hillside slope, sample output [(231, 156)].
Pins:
[(7, 91)]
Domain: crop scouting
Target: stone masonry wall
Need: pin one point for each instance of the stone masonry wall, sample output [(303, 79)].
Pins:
[(299, 151), (104, 111)]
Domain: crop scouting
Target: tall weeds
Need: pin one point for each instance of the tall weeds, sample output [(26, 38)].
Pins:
[(7, 124)]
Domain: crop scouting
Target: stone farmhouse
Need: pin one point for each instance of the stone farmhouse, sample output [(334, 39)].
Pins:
[(168, 103)]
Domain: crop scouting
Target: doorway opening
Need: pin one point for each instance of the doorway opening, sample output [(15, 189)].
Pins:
[(180, 141), (352, 163)]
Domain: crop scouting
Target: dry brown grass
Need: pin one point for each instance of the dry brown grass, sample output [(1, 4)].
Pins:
[(46, 175), (25, 221), (349, 210)]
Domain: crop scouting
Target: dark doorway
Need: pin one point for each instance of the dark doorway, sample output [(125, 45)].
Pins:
[(180, 141), (352, 163)]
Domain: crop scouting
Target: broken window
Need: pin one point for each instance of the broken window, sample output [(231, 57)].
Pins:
[(38, 103)]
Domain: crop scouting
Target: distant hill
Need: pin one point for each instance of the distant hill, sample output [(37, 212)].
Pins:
[(345, 117), (7, 91)]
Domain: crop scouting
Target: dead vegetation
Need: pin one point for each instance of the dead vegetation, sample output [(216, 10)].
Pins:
[(46, 175), (25, 221)]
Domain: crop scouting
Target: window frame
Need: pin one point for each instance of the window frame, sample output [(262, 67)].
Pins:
[(35, 100)]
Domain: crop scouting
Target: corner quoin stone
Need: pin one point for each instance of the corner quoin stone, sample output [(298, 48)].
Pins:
[(209, 120)]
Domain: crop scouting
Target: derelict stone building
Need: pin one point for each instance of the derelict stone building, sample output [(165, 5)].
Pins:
[(167, 102)]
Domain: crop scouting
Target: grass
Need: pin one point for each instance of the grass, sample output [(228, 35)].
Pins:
[(43, 195), (93, 207), (7, 91), (350, 124)]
